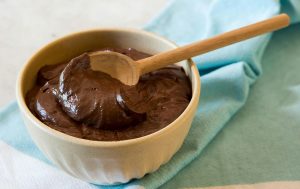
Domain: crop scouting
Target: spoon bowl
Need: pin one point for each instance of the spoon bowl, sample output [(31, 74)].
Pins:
[(117, 65)]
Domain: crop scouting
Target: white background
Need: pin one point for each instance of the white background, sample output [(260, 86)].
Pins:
[(27, 25)]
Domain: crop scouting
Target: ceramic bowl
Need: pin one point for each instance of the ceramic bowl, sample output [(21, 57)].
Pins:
[(101, 162)]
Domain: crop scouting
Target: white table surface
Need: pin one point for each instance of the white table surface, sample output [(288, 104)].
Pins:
[(27, 25)]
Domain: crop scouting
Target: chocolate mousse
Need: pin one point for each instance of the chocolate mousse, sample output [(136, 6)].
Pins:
[(72, 98)]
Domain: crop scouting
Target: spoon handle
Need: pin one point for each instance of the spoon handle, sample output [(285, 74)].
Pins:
[(181, 53)]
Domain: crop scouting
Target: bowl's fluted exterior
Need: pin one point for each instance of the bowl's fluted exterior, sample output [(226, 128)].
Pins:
[(105, 162)]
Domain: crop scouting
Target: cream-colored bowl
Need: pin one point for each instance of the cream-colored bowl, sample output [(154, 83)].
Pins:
[(96, 161)]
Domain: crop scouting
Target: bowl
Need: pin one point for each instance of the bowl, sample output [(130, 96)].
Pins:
[(105, 162)]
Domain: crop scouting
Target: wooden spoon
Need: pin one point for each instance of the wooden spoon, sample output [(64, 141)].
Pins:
[(128, 71)]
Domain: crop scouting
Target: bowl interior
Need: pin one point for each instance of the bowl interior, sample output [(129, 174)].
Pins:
[(66, 48)]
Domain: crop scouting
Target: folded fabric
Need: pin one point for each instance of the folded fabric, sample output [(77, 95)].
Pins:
[(259, 143), (227, 75)]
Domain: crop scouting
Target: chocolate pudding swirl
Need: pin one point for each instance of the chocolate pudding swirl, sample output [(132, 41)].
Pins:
[(74, 99)]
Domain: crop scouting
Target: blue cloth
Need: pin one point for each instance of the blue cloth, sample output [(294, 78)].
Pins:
[(227, 74), (260, 142)]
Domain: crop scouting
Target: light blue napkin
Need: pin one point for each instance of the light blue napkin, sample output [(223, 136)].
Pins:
[(227, 75)]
